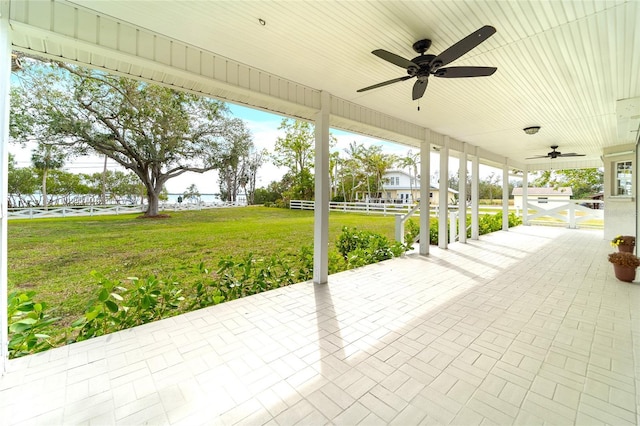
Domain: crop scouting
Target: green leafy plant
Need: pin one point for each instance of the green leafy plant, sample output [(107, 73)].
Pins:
[(487, 223), (412, 231), (117, 307), (305, 257), (28, 321), (251, 275), (359, 248), (433, 231), (205, 294)]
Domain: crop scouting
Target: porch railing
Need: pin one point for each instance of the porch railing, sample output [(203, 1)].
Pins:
[(355, 207), (568, 213)]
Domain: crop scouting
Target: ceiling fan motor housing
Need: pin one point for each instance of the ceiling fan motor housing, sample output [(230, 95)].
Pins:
[(423, 65)]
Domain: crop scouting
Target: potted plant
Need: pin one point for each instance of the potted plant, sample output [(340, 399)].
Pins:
[(624, 265), (625, 243)]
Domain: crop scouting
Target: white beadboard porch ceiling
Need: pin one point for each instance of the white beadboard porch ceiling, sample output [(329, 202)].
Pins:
[(562, 65)]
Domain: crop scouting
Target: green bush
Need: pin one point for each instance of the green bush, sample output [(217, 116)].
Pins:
[(280, 203), (433, 231), (117, 307), (411, 232), (249, 275), (359, 248), (28, 323), (487, 223)]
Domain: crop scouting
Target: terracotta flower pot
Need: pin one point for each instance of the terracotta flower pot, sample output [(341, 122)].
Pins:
[(625, 248), (624, 273), (628, 245)]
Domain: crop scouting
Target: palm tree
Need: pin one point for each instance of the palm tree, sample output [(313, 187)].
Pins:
[(44, 158), (377, 163), (411, 162), (354, 167), (334, 164)]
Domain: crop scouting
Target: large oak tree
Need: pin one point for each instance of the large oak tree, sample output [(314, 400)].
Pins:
[(156, 132)]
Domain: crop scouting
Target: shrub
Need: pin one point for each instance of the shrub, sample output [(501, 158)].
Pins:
[(359, 248), (117, 307), (433, 231), (487, 223), (280, 203), (249, 275), (412, 231), (28, 322)]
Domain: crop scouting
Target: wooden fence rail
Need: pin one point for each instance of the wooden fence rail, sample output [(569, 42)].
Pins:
[(71, 211)]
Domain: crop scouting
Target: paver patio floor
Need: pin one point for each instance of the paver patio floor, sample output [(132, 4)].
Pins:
[(528, 327)]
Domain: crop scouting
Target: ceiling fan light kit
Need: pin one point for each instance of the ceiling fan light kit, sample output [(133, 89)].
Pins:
[(532, 130), (424, 65)]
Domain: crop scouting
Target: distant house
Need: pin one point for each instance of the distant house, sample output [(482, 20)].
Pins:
[(541, 196), (596, 197), (401, 188)]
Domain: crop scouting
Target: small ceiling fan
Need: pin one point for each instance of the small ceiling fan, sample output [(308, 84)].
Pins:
[(424, 65), (555, 154)]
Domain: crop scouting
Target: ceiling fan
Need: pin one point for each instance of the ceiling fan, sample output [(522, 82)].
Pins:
[(424, 65), (555, 154)]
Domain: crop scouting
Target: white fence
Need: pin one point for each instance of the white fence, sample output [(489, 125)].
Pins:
[(570, 212), (71, 211), (368, 208)]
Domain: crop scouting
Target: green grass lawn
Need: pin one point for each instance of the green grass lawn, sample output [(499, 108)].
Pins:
[(54, 257)]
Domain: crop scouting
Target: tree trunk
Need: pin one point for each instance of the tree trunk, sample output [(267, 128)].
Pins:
[(152, 200), (103, 195), (45, 203)]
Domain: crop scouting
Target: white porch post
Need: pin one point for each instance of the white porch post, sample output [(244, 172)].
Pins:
[(505, 196), (635, 191), (462, 195), (443, 199), (321, 210), (475, 194), (525, 198), (5, 81), (425, 190)]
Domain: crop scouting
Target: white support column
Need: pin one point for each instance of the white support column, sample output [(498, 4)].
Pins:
[(505, 196), (635, 191), (321, 210), (5, 81), (475, 194), (443, 199), (525, 197), (425, 191), (462, 195)]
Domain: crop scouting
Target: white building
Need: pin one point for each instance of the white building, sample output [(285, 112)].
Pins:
[(402, 188)]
